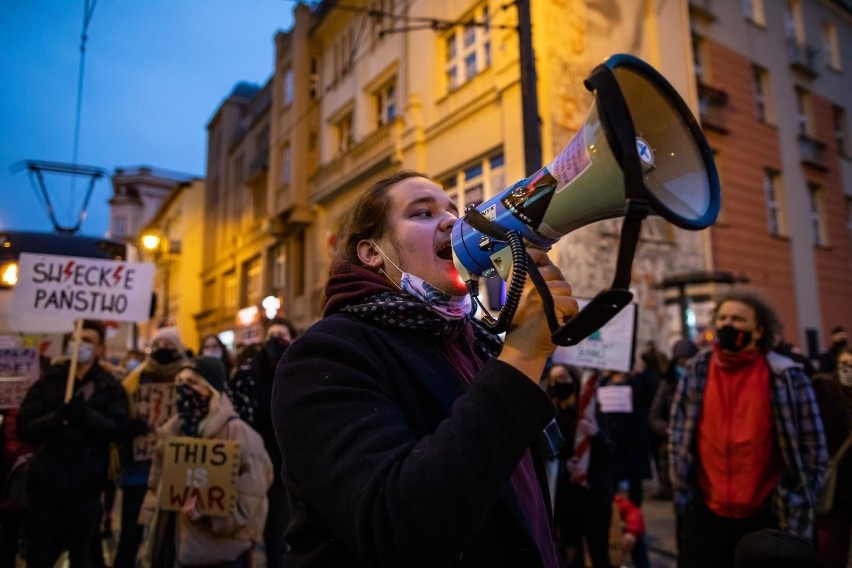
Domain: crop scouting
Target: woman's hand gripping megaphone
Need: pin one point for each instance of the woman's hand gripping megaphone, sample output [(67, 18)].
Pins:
[(528, 340)]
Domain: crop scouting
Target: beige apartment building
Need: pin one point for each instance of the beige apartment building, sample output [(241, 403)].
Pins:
[(367, 88)]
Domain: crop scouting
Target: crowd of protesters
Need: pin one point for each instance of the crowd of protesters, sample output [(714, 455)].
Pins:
[(400, 431)]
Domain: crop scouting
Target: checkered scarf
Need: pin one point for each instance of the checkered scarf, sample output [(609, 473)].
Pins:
[(404, 312)]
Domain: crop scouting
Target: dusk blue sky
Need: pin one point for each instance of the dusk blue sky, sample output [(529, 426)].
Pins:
[(155, 72)]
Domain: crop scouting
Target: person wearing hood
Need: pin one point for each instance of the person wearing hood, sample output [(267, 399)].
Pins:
[(70, 467), (410, 432), (150, 388), (746, 442), (205, 411), (250, 390)]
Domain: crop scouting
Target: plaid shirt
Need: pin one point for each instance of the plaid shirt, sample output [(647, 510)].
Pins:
[(797, 424)]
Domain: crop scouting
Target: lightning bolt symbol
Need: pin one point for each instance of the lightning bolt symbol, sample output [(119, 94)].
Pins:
[(68, 270), (117, 275)]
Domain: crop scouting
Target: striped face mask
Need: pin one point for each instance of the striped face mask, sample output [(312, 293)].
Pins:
[(447, 306)]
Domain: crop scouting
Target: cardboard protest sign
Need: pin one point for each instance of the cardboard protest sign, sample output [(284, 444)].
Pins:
[(76, 287), (615, 399), (201, 468), (154, 403), (19, 368), (609, 348)]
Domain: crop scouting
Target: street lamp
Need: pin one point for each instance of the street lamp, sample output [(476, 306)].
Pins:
[(159, 247)]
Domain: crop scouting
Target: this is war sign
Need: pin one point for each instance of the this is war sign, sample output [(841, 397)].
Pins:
[(205, 470), (83, 287)]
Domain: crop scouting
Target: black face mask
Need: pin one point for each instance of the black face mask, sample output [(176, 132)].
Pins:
[(275, 348), (732, 339), (563, 390), (165, 356)]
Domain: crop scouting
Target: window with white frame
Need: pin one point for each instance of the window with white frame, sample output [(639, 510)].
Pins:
[(831, 45), (753, 10), (477, 182), (343, 133), (794, 23), (385, 102), (286, 165), (760, 80), (772, 189), (698, 57), (817, 216), (278, 262), (119, 226), (467, 49), (803, 113), (840, 129), (288, 86)]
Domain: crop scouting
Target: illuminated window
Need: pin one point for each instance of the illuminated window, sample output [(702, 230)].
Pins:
[(753, 10), (831, 44), (385, 101), (467, 49)]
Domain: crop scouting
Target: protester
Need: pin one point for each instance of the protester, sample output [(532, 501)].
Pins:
[(583, 505), (197, 539), (746, 447), (630, 529), (250, 389), (407, 430), (828, 358), (13, 502), (213, 346), (70, 467), (150, 388), (660, 413), (834, 396)]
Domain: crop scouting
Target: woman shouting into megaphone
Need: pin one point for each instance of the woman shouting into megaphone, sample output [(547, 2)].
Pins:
[(411, 434)]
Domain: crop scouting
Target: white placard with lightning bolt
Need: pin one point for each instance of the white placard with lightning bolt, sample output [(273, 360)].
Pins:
[(74, 287)]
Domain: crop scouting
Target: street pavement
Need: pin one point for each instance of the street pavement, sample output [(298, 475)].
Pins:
[(659, 531)]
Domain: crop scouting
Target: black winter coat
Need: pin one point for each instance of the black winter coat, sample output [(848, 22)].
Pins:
[(72, 459), (390, 460)]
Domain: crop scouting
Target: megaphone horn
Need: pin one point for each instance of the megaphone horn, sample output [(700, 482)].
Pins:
[(640, 151)]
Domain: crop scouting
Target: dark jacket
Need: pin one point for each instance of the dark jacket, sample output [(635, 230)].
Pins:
[(390, 460), (72, 458), (835, 407)]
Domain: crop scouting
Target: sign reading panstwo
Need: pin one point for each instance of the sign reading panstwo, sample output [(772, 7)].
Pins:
[(83, 288)]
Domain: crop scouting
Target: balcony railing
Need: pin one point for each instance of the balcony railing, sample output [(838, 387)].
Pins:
[(385, 144), (702, 9), (257, 169), (802, 57), (711, 107), (812, 152)]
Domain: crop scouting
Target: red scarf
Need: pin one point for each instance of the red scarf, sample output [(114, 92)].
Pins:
[(739, 459)]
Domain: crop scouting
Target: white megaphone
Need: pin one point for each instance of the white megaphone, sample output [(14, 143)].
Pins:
[(639, 152)]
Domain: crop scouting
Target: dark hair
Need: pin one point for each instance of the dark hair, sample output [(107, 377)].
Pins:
[(281, 321), (216, 338), (368, 219), (764, 314)]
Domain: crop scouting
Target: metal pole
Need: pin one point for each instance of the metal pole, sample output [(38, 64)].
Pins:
[(529, 96)]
